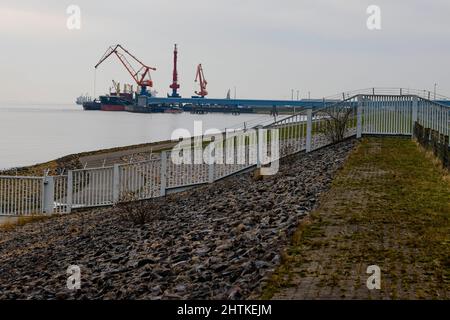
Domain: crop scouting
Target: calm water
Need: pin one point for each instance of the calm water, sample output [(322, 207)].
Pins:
[(33, 134)]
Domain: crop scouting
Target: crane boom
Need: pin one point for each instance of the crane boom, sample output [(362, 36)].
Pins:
[(141, 76), (200, 77)]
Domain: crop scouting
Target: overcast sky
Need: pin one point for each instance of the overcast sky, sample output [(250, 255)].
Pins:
[(263, 47)]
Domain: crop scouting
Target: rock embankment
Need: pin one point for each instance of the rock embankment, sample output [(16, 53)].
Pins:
[(214, 242)]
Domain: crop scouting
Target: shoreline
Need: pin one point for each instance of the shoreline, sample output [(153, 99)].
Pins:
[(92, 158)]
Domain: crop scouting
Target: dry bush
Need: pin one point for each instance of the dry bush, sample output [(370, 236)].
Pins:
[(336, 122), (136, 211)]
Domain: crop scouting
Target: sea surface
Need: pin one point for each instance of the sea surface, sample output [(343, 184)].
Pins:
[(31, 134)]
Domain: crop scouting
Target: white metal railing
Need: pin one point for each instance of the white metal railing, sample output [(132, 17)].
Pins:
[(308, 130), (233, 152), (60, 204), (386, 91), (434, 116), (387, 114), (21, 195), (395, 115), (187, 173), (91, 187), (140, 180)]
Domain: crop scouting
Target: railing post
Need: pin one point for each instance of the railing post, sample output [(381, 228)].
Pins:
[(415, 106), (48, 194), (163, 174), (116, 183), (69, 191), (359, 117), (308, 129), (258, 147), (211, 168)]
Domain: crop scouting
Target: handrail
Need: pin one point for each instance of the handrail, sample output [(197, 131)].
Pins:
[(389, 91), (317, 110), (349, 95), (436, 103)]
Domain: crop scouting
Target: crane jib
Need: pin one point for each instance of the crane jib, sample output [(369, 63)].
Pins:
[(121, 53)]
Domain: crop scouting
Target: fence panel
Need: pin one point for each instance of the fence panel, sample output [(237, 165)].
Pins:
[(292, 133), (390, 115), (60, 195), (21, 195), (293, 130), (140, 180), (434, 116), (186, 168), (92, 187), (236, 153)]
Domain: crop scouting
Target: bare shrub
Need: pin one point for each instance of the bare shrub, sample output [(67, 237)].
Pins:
[(137, 211), (336, 121)]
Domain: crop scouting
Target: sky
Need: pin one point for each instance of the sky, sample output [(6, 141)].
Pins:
[(263, 48)]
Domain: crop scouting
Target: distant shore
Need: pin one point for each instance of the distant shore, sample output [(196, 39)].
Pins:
[(90, 159)]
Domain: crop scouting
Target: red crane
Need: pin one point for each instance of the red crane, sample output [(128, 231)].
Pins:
[(141, 76), (200, 77), (175, 86)]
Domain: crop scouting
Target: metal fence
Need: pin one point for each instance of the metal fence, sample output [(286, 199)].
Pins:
[(91, 187), (221, 155), (312, 129), (390, 115), (434, 116), (21, 195)]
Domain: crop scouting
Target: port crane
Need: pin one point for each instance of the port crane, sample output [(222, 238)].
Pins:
[(175, 85), (141, 76), (200, 77), (116, 86)]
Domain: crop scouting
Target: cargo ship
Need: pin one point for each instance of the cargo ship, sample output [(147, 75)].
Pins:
[(117, 100), (114, 103), (92, 105), (173, 110)]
